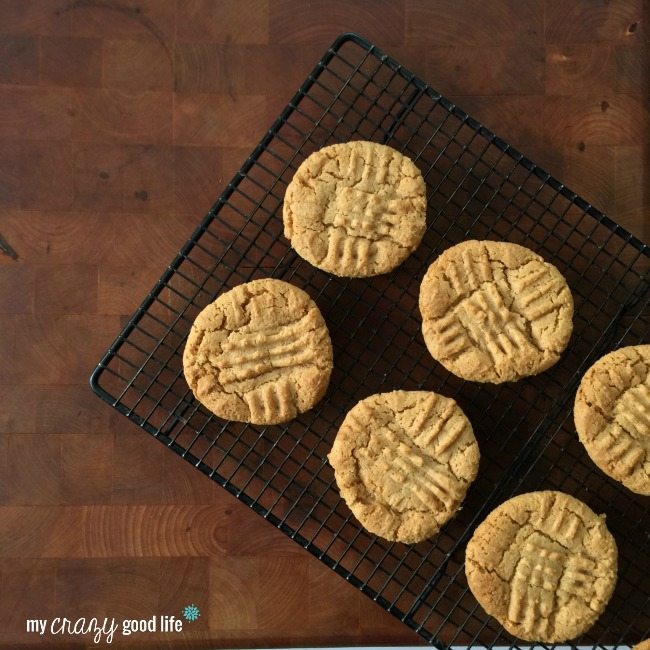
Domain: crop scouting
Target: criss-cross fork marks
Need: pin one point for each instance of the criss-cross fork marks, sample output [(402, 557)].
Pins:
[(626, 440), (534, 586), (356, 209), (496, 310), (483, 321), (363, 214), (542, 578), (480, 318), (548, 574), (369, 202), (408, 476), (411, 480)]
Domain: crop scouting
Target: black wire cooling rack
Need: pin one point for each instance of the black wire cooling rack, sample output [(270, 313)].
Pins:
[(478, 188)]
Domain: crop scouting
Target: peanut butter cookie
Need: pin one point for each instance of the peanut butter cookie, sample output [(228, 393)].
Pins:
[(544, 565), (495, 311), (403, 462), (355, 209), (612, 416), (259, 353)]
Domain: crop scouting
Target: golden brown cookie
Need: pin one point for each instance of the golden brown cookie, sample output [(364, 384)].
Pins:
[(259, 353), (544, 565), (495, 311), (403, 462), (642, 645), (612, 416), (355, 209)]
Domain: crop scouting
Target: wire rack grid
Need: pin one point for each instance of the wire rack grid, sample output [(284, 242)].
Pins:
[(478, 187)]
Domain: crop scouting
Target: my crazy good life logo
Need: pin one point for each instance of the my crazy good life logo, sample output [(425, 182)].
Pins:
[(104, 630)]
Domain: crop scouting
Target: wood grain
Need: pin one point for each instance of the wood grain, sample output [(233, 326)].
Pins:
[(144, 19), (54, 404), (631, 188), (294, 22), (224, 21), (108, 115), (36, 113), (595, 119), (25, 581), (197, 171), (19, 54), (37, 17), (198, 119), (35, 175), (583, 21), (71, 290), (471, 23), (17, 284), (513, 70), (136, 65), (71, 61), (574, 69), (594, 172), (120, 123)]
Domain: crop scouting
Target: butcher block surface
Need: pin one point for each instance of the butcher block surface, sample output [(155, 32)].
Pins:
[(120, 123)]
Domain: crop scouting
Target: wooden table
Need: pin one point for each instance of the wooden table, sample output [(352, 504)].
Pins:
[(120, 123)]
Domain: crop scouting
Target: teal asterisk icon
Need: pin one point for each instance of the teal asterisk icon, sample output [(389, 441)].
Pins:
[(191, 613)]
